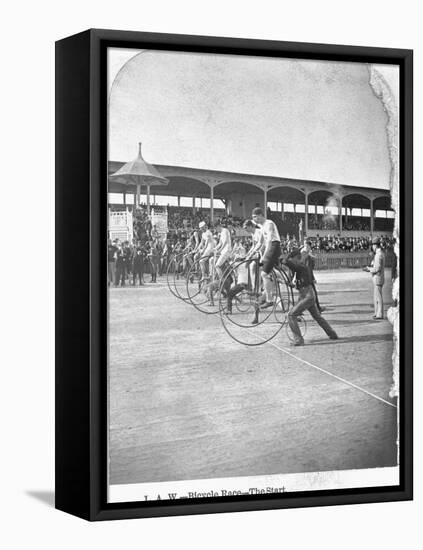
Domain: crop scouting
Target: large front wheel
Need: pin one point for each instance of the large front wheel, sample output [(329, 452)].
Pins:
[(241, 310)]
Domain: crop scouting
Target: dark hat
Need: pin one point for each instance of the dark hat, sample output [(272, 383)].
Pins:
[(375, 240), (294, 252)]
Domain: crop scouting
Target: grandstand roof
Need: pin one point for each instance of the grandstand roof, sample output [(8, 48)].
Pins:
[(186, 181)]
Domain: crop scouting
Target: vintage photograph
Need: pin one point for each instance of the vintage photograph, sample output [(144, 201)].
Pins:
[(253, 260)]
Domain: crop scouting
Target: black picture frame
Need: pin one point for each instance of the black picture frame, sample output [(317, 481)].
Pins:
[(81, 288)]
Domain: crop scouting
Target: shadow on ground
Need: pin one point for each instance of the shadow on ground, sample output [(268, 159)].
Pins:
[(46, 497), (351, 339), (353, 322)]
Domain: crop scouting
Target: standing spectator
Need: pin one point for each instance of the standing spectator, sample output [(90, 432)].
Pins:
[(154, 257), (111, 260), (120, 266), (148, 227), (128, 255), (138, 266), (394, 274), (377, 269), (164, 260)]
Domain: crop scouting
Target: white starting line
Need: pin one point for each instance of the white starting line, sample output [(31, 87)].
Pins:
[(339, 378)]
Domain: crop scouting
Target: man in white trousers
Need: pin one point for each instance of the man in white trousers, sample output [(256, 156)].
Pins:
[(377, 270)]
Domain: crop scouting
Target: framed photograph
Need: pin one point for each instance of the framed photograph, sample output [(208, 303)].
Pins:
[(234, 274)]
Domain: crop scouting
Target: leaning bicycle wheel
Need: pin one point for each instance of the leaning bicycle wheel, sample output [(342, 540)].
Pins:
[(241, 311), (180, 276), (174, 277), (170, 273)]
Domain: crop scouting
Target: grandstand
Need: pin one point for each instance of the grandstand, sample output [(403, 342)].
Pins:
[(333, 209)]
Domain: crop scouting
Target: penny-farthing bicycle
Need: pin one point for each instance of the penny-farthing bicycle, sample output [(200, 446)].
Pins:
[(241, 311)]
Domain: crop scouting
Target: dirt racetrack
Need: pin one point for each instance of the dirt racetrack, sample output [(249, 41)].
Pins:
[(188, 402)]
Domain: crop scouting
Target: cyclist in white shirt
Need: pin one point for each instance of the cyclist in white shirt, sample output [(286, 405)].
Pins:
[(257, 238), (205, 249), (269, 247), (194, 239), (223, 248), (242, 268), (219, 262), (192, 244)]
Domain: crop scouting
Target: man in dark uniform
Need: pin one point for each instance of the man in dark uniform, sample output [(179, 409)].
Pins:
[(120, 266), (111, 260), (307, 299), (128, 254), (148, 227), (154, 257), (310, 261), (138, 266)]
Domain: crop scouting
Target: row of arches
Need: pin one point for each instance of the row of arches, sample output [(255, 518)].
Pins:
[(183, 186), (336, 203)]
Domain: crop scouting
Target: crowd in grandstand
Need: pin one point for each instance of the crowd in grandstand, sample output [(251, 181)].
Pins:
[(328, 244), (149, 252), (182, 219)]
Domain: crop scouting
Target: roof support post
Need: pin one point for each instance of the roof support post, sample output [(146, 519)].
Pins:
[(306, 214), (148, 200), (211, 203), (211, 182), (137, 203)]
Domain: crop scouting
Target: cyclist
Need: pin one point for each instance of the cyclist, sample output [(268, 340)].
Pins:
[(204, 249), (269, 246), (223, 248)]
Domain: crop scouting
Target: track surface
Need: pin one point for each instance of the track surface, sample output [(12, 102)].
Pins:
[(187, 402)]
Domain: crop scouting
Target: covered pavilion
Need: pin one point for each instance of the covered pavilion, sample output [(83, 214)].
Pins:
[(240, 193)]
